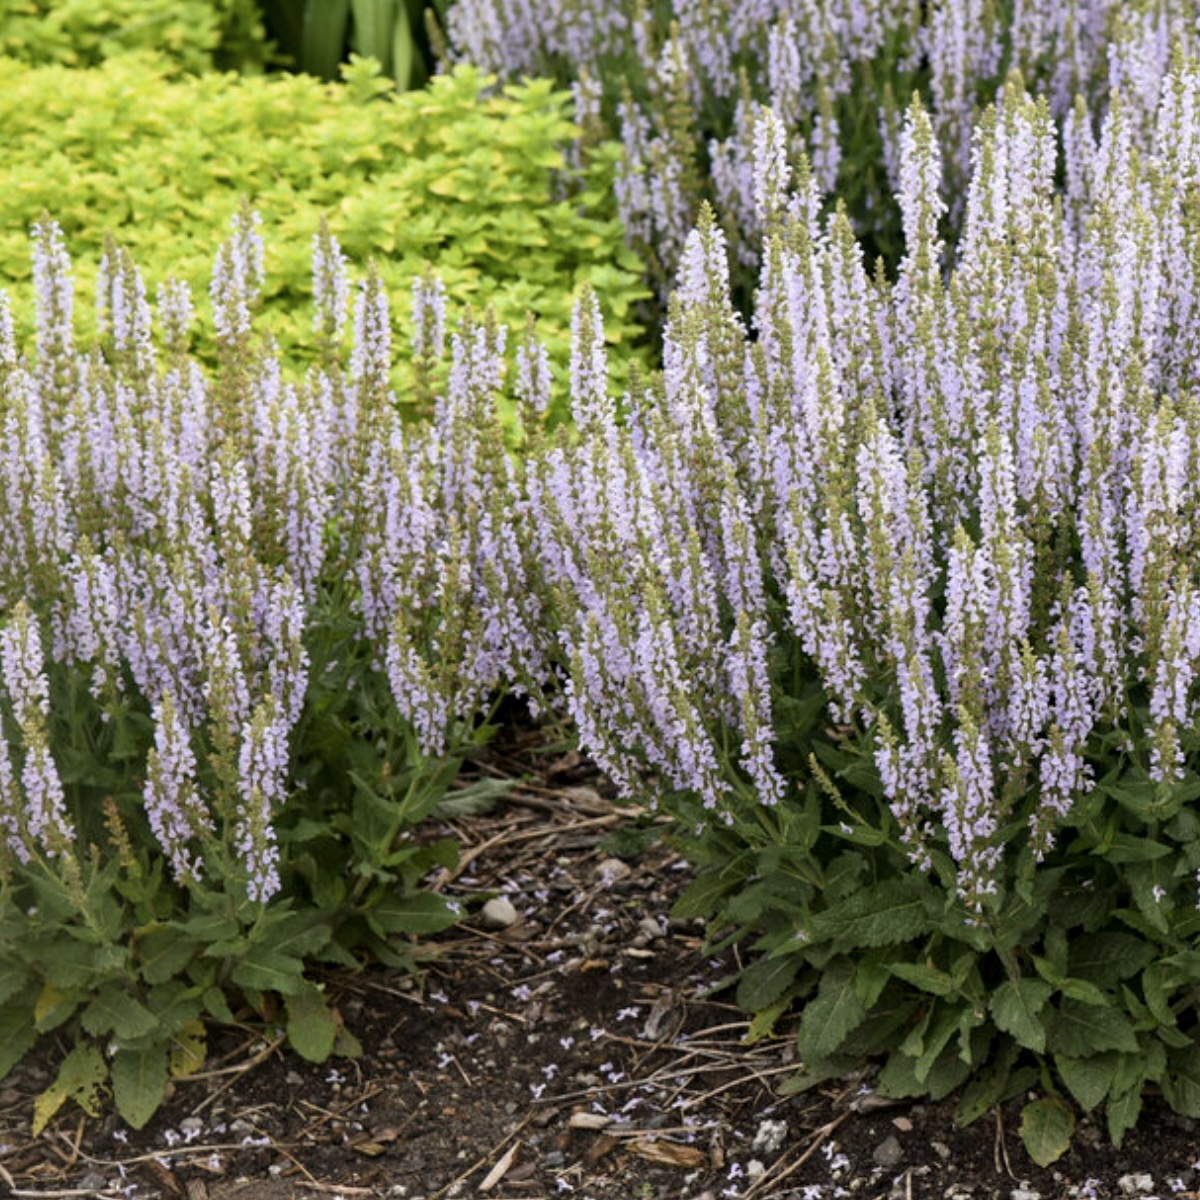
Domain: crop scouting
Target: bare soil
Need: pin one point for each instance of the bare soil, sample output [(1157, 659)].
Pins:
[(580, 1052)]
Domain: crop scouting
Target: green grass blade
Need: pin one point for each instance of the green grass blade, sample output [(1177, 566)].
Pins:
[(325, 26), (374, 21)]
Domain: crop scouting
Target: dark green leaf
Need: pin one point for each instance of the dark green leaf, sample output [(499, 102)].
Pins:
[(423, 913), (764, 981), (1015, 1005), (266, 971), (889, 913), (139, 1080), (115, 1011), (1087, 1079), (831, 1015), (1181, 1086), (1081, 1030), (1123, 1111), (702, 896), (311, 1027), (1106, 958)]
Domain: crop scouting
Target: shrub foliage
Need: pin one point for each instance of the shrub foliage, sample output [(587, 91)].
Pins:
[(450, 174)]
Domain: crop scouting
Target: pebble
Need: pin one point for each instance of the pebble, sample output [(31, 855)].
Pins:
[(889, 1152), (940, 1149), (1131, 1185), (93, 1181), (1024, 1193), (649, 928), (556, 1158), (612, 869), (755, 1169), (499, 913)]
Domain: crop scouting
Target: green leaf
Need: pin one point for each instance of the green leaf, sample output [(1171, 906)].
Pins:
[(1106, 958), (925, 976), (831, 1015), (139, 1081), (1181, 1086), (422, 913), (13, 979), (1015, 1005), (1080, 1030), (266, 971), (989, 1086), (1047, 1127), (311, 1027), (164, 952), (702, 897), (888, 913), (1122, 1112), (1087, 1079), (764, 981), (1087, 993), (18, 1030), (1125, 848), (115, 1011)]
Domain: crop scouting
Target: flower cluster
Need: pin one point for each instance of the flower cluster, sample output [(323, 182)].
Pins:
[(812, 62), (966, 498)]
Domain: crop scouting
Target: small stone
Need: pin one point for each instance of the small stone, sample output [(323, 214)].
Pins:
[(93, 1181), (612, 869), (1024, 1193), (889, 1152), (1131, 1185), (903, 1124), (649, 928), (499, 913), (940, 1149), (556, 1158), (755, 1169)]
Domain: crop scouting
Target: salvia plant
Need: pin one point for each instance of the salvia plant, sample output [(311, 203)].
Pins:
[(251, 625), (889, 596), (680, 82)]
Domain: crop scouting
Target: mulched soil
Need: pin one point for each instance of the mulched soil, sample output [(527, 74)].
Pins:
[(580, 1052)]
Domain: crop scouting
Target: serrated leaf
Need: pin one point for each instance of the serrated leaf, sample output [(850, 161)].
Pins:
[(1087, 1079), (764, 981), (1086, 993), (13, 979), (1015, 1006), (927, 978), (79, 1078), (421, 913), (831, 1015), (265, 971), (702, 897), (1106, 958), (941, 1029), (1122, 1112), (1047, 1127), (311, 1027), (1081, 1030), (988, 1087), (18, 1031), (115, 1011), (139, 1080), (889, 913), (1181, 1087), (163, 954)]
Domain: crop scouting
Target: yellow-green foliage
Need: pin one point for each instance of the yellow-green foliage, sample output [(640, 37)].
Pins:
[(451, 176), (192, 35)]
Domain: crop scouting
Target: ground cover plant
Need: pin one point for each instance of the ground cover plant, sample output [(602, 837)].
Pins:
[(679, 81), (891, 602), (189, 37), (475, 182), (251, 624)]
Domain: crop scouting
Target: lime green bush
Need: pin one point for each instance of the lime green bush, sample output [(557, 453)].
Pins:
[(447, 176), (192, 35)]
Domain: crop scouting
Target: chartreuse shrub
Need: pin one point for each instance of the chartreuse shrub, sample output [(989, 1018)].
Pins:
[(680, 82), (895, 605), (451, 176), (190, 35), (250, 625)]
